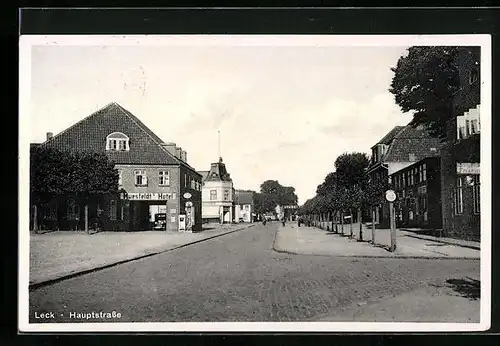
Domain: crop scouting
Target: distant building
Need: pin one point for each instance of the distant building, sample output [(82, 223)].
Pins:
[(154, 176), (418, 190), (399, 148), (217, 194), (244, 206), (460, 156)]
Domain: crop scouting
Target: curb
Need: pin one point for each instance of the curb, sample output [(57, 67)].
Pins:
[(40, 284), (437, 240), (369, 256)]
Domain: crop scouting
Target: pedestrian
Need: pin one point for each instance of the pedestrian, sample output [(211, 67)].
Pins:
[(283, 221), (264, 220)]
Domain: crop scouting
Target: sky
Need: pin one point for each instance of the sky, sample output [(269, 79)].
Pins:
[(284, 112)]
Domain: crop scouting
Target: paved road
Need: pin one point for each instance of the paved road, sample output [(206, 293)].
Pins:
[(237, 277)]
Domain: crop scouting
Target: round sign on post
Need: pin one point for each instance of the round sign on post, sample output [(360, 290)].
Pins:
[(390, 195), (187, 195)]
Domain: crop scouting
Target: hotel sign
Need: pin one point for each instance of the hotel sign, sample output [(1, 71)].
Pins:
[(467, 168), (150, 196)]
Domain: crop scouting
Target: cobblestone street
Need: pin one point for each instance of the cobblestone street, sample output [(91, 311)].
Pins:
[(238, 277)]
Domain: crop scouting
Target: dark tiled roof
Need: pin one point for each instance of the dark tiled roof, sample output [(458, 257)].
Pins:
[(204, 175), (244, 197), (412, 140), (390, 136), (218, 172), (90, 134)]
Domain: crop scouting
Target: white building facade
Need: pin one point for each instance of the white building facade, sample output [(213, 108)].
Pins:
[(217, 194)]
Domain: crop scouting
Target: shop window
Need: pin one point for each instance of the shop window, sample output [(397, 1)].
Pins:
[(459, 196), (117, 141), (140, 178), (163, 178), (213, 195), (476, 189), (112, 210)]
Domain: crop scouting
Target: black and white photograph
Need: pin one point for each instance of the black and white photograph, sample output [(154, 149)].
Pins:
[(255, 183)]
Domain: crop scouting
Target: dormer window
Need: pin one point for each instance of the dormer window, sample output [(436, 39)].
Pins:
[(117, 141)]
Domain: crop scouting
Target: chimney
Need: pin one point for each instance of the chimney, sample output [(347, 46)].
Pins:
[(178, 153), (184, 156), (49, 135), (170, 147)]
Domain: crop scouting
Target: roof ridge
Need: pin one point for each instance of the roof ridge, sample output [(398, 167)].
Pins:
[(136, 121), (396, 136), (78, 122)]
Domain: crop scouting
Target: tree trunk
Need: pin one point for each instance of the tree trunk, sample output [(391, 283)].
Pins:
[(342, 222), (87, 218), (350, 214), (336, 223), (35, 218), (360, 225), (373, 225)]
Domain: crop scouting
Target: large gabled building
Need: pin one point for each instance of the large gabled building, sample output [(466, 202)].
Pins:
[(154, 175), (399, 148)]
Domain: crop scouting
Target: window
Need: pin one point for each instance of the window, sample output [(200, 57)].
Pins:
[(193, 184), (73, 210), (140, 178), (424, 172), (474, 126), (247, 207), (122, 211), (213, 195), (420, 175), (117, 141), (476, 194), (185, 180), (112, 210), (163, 178), (119, 177), (226, 195), (459, 198)]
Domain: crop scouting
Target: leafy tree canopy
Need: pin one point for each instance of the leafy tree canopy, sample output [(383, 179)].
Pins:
[(425, 82)]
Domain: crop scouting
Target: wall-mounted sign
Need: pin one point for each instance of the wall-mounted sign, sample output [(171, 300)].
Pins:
[(150, 196), (187, 195), (390, 195), (467, 168)]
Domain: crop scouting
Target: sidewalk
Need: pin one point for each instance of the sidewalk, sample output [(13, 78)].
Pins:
[(315, 241), (59, 254), (433, 303)]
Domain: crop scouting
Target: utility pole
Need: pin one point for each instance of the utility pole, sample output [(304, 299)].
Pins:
[(390, 196), (218, 143)]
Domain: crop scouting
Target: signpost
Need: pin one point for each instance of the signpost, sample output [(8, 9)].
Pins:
[(390, 196)]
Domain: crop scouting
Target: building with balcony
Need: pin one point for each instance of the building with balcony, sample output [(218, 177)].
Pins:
[(154, 175), (460, 155), (217, 194)]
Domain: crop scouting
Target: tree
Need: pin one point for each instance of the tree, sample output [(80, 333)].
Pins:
[(351, 168), (57, 175), (273, 194), (425, 82)]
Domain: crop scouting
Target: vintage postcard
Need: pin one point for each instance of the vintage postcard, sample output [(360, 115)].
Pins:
[(255, 183)]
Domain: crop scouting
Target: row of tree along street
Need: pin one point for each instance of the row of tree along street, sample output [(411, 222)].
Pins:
[(425, 81), (343, 193)]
